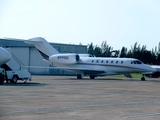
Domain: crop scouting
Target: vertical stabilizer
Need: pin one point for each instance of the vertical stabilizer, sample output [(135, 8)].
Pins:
[(43, 47)]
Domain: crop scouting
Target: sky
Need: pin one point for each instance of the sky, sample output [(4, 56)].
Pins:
[(119, 22)]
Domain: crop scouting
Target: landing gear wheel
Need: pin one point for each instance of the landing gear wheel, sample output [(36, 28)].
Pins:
[(79, 76), (14, 79), (142, 78), (92, 76), (150, 76)]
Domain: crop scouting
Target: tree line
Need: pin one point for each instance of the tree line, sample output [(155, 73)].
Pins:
[(136, 51)]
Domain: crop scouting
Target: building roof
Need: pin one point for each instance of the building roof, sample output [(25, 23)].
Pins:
[(12, 42)]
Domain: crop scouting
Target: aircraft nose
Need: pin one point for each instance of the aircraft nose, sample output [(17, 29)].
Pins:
[(152, 69), (5, 56)]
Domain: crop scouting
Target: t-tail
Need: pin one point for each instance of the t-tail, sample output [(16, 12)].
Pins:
[(44, 48)]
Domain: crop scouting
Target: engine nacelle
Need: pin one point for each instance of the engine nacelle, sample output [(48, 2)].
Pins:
[(64, 58)]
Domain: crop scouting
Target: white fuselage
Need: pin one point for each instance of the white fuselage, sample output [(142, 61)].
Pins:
[(106, 65)]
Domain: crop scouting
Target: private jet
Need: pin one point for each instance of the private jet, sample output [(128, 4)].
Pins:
[(86, 64)]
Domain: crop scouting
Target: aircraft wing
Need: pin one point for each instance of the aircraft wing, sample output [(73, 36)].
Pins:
[(76, 70), (84, 70)]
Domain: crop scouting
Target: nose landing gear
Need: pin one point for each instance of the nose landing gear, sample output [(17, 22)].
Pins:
[(143, 78)]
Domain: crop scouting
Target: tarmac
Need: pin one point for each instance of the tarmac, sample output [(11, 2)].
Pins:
[(66, 98)]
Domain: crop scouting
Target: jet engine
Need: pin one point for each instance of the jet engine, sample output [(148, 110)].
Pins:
[(64, 58)]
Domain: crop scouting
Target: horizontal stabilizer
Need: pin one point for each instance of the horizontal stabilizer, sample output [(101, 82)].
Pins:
[(44, 48), (32, 42)]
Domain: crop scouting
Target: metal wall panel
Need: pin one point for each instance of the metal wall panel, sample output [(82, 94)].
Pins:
[(36, 60), (22, 53)]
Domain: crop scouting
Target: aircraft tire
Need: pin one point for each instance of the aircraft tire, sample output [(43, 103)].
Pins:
[(143, 79), (79, 76), (14, 79), (92, 76)]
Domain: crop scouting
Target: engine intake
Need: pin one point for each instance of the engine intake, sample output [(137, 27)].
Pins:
[(77, 58)]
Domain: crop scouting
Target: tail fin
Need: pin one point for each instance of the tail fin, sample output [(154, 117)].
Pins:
[(44, 48)]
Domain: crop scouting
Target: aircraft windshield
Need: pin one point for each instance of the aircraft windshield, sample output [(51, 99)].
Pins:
[(136, 62), (91, 55)]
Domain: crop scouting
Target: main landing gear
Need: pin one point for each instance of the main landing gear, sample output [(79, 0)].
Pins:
[(92, 76), (79, 76)]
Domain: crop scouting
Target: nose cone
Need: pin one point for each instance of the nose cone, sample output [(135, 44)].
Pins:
[(154, 70), (151, 69), (155, 67), (5, 56)]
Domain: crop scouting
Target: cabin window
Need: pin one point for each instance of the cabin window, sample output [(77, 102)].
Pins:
[(92, 61), (107, 61), (112, 61), (102, 61), (97, 61), (116, 62), (121, 62)]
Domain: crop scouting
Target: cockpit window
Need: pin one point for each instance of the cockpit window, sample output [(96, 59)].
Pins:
[(138, 62), (91, 55)]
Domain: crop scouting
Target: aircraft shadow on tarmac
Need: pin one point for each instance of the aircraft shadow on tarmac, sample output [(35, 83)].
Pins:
[(24, 84), (118, 79), (131, 79), (97, 79)]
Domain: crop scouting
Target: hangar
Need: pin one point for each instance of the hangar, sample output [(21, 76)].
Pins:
[(29, 56)]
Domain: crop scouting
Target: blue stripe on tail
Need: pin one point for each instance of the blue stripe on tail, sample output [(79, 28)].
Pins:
[(46, 57)]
